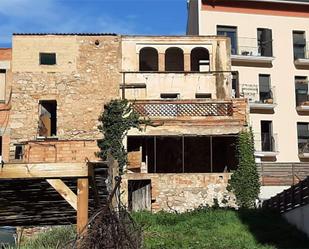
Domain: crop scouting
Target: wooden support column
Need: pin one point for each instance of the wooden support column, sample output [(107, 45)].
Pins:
[(82, 204), (161, 62), (187, 62)]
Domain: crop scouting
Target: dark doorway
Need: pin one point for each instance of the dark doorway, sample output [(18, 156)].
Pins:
[(139, 196), (174, 60), (148, 59), (47, 118), (199, 59)]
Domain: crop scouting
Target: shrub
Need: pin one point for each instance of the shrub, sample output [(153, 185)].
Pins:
[(244, 182), (116, 120)]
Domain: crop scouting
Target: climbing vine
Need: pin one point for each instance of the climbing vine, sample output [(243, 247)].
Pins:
[(116, 120), (244, 182)]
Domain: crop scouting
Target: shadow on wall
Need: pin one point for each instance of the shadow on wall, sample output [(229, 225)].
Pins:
[(270, 228)]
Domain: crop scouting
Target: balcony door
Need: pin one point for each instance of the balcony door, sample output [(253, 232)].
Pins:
[(299, 44), (267, 136), (301, 90), (265, 42), (265, 93)]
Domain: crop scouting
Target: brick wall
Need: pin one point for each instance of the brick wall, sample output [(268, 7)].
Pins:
[(86, 78), (60, 151), (182, 192)]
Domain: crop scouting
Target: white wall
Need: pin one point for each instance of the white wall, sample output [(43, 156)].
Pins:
[(282, 71)]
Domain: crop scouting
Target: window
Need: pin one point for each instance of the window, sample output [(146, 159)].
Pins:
[(47, 118), (265, 42), (265, 93), (200, 60), (267, 136), (19, 152), (301, 90), (303, 137), (148, 59), (47, 59), (299, 44), (174, 60), (235, 85), (2, 84), (230, 32), (203, 95), (169, 95)]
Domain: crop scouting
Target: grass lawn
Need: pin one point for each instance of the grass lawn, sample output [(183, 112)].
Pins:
[(219, 229)]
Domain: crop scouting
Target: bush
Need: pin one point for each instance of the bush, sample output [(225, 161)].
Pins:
[(245, 183)]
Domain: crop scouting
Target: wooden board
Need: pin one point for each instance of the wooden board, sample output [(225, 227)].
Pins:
[(43, 170)]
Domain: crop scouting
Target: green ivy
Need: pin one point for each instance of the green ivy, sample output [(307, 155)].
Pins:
[(116, 120), (244, 182)]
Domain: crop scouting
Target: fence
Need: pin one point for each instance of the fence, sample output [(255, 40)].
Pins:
[(282, 174), (294, 197)]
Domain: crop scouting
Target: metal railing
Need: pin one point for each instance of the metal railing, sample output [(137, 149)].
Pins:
[(179, 108), (266, 142), (252, 47), (303, 147), (252, 93)]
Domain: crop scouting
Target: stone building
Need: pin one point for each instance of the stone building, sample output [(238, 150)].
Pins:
[(60, 85), (5, 100), (184, 84)]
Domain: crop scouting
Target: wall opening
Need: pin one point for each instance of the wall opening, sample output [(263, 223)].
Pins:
[(139, 195), (47, 118), (47, 59), (200, 60), (186, 154), (174, 60), (148, 59)]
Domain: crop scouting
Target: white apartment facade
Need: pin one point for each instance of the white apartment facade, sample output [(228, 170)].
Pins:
[(269, 49)]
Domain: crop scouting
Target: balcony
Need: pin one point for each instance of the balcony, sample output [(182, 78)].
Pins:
[(182, 109), (259, 101), (301, 54), (303, 149), (249, 51), (302, 104), (266, 145)]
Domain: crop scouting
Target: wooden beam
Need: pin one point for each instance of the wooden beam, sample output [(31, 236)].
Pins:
[(43, 170), (82, 204), (64, 191)]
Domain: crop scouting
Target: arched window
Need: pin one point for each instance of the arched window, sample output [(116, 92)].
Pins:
[(174, 60), (199, 59), (148, 59)]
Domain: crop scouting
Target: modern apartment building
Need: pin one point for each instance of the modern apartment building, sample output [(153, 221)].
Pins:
[(270, 52)]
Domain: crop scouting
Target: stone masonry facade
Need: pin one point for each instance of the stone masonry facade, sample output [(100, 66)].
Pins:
[(85, 77), (184, 192)]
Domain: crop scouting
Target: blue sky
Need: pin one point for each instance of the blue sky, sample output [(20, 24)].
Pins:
[(119, 16)]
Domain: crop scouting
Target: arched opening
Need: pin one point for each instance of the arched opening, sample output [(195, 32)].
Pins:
[(199, 59), (174, 60), (148, 59)]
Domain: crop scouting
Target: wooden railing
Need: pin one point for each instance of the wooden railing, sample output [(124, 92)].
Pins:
[(294, 197), (282, 174), (183, 108)]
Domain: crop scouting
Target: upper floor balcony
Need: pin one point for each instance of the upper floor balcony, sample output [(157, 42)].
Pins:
[(260, 99), (266, 144), (301, 53), (252, 50)]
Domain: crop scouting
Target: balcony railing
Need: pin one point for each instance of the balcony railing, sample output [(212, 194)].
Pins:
[(303, 148), (301, 54), (181, 108), (258, 99), (266, 144), (250, 49)]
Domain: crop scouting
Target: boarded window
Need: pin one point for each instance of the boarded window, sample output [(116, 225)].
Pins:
[(47, 118), (47, 59)]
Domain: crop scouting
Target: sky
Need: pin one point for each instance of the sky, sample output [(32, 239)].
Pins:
[(148, 17)]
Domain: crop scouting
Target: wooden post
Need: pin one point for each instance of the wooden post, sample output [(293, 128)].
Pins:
[(82, 204)]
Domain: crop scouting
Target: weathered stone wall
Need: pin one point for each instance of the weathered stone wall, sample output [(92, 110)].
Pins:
[(182, 192), (85, 78)]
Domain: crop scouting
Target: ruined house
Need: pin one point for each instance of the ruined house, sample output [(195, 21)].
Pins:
[(185, 85)]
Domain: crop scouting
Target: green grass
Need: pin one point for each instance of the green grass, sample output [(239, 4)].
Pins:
[(219, 229)]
